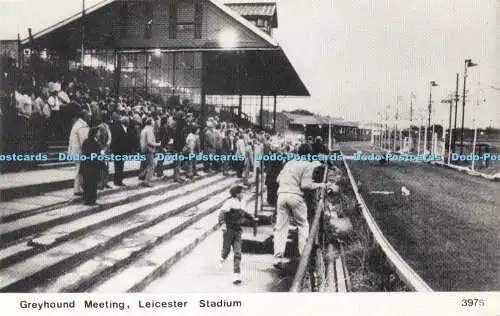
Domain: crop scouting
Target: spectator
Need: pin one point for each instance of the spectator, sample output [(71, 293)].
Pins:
[(209, 144), (55, 107), (193, 147), (226, 150), (79, 132), (240, 151), (90, 170), (119, 145), (104, 139), (179, 143), (295, 176), (218, 146), (164, 137), (273, 169), (319, 147), (149, 146)]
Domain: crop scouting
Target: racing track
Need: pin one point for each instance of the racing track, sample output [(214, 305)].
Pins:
[(447, 229)]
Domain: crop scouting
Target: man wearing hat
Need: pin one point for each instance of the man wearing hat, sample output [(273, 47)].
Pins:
[(55, 106), (232, 215), (119, 144)]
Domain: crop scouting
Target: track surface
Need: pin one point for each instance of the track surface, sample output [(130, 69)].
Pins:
[(447, 229)]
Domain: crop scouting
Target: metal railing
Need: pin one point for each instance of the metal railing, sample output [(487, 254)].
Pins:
[(313, 234), (403, 270)]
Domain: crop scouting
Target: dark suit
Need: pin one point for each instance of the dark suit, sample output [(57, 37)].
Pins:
[(273, 170), (119, 145), (226, 150), (90, 170)]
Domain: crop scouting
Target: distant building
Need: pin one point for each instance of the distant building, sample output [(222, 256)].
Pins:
[(317, 125)]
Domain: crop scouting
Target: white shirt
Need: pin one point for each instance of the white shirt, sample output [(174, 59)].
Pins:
[(79, 133), (191, 142), (148, 139), (295, 176), (233, 203), (55, 103), (240, 147)]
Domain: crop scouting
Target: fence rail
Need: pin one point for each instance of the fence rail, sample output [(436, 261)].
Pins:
[(404, 271), (306, 254)]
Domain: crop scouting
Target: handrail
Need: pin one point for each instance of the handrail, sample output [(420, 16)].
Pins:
[(405, 272), (304, 259)]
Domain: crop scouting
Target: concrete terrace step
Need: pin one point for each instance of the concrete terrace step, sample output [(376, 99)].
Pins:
[(108, 264), (23, 207), (36, 243), (23, 247), (37, 223), (36, 270), (59, 147), (37, 182), (53, 165), (159, 259)]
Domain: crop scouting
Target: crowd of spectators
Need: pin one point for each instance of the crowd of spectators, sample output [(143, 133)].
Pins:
[(68, 110)]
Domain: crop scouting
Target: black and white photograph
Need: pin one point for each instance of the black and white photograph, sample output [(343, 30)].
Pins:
[(250, 146)]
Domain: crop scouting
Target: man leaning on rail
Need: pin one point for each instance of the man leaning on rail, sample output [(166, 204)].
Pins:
[(296, 176)]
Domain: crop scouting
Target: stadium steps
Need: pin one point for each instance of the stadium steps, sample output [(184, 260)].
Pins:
[(138, 260), (75, 254), (23, 207), (39, 228), (54, 148), (48, 181)]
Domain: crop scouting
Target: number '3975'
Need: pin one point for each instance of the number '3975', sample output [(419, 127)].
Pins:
[(470, 302)]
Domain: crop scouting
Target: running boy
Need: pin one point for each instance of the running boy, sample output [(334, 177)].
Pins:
[(232, 215)]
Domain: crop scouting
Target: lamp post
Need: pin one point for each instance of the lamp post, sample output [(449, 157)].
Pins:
[(82, 44), (474, 143), (450, 101), (419, 134), (454, 137), (330, 147), (475, 123), (432, 84), (468, 63), (410, 138), (387, 139), (379, 130)]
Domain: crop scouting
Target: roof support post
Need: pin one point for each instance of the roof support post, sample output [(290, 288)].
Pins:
[(240, 106), (274, 115), (82, 35), (147, 73), (261, 115), (203, 101), (118, 68)]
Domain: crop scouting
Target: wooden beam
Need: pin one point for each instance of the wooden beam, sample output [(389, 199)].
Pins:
[(261, 116), (274, 115)]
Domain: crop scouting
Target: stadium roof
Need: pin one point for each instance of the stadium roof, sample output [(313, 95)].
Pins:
[(267, 69)]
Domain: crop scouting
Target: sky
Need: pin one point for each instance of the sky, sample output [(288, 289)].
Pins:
[(363, 57)]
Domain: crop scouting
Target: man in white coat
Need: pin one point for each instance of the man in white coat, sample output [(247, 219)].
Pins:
[(79, 133)]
